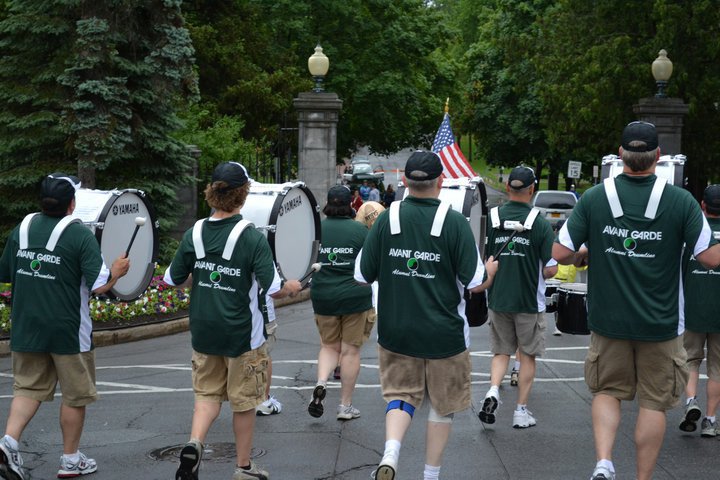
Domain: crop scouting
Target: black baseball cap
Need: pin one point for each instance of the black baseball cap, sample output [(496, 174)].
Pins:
[(231, 173), (521, 177), (60, 186), (339, 195), (423, 165), (711, 197), (643, 134)]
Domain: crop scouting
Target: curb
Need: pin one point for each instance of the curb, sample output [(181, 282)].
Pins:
[(104, 338)]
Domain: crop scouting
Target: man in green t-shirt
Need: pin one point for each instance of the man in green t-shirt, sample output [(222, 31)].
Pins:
[(422, 254), (516, 300), (702, 326), (635, 227), (232, 268), (53, 263)]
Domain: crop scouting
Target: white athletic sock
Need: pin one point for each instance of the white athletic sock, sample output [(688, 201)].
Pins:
[(322, 382), (689, 399), (431, 473), (712, 419), (607, 464), (520, 408), (493, 392), (517, 365), (72, 458), (12, 442)]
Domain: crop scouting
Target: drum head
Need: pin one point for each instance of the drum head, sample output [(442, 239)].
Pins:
[(119, 216), (296, 238), (578, 288)]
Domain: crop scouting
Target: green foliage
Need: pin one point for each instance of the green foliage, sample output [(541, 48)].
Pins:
[(93, 87)]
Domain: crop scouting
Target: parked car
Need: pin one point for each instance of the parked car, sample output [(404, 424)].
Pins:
[(361, 169), (554, 205)]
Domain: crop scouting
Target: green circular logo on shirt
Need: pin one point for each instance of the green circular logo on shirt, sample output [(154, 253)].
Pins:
[(215, 277), (511, 246), (332, 257), (412, 264), (35, 266), (630, 244)]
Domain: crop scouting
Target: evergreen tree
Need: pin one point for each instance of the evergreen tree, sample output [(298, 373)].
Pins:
[(92, 87)]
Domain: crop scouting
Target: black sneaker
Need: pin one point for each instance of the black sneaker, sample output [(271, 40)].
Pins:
[(190, 457), (315, 409), (487, 414)]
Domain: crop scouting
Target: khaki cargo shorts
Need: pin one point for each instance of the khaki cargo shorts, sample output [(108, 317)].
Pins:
[(508, 331), (241, 380), (695, 344), (353, 328), (656, 371), (446, 380), (37, 374), (271, 340)]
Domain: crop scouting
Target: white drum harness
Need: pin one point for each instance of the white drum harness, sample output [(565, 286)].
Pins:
[(653, 202), (229, 244), (54, 236)]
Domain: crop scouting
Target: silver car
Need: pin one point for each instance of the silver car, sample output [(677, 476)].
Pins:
[(554, 205)]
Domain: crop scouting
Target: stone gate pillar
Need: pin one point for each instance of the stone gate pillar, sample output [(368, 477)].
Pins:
[(318, 114), (667, 116)]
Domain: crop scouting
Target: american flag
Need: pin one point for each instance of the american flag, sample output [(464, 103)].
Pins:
[(454, 163)]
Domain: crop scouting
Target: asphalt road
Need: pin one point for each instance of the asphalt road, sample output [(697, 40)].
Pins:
[(145, 408)]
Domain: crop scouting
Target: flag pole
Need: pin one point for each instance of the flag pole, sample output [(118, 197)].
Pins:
[(447, 105)]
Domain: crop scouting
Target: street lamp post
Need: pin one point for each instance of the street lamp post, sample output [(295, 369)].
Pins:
[(662, 68), (318, 65)]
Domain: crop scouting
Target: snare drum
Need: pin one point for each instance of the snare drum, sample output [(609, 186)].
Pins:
[(572, 308), (289, 217), (551, 286), (111, 216)]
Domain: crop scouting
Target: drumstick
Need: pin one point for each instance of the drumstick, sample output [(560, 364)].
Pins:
[(313, 268), (516, 227), (139, 222)]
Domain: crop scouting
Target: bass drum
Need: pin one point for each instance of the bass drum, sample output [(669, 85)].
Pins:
[(289, 217), (112, 215), (469, 197)]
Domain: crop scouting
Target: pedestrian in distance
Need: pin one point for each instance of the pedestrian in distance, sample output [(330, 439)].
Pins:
[(389, 196), (516, 300), (357, 201), (231, 266), (636, 226), (343, 309), (702, 327), (374, 195), (365, 191), (53, 263), (422, 254)]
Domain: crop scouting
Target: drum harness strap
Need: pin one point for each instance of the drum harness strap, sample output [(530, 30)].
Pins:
[(54, 236), (438, 221), (653, 202), (229, 244), (527, 225)]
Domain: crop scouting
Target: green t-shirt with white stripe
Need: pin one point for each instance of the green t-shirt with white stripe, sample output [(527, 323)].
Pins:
[(421, 311), (634, 261), (519, 286), (702, 303), (334, 290), (225, 313), (51, 290)]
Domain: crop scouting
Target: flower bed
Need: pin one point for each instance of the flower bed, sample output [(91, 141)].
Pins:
[(160, 300)]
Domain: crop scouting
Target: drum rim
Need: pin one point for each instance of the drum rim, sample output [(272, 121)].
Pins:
[(116, 194)]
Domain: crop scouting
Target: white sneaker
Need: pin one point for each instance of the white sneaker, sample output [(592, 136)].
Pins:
[(271, 406), (10, 462), (83, 466), (487, 413), (387, 468), (602, 473), (523, 419), (347, 412), (557, 332)]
